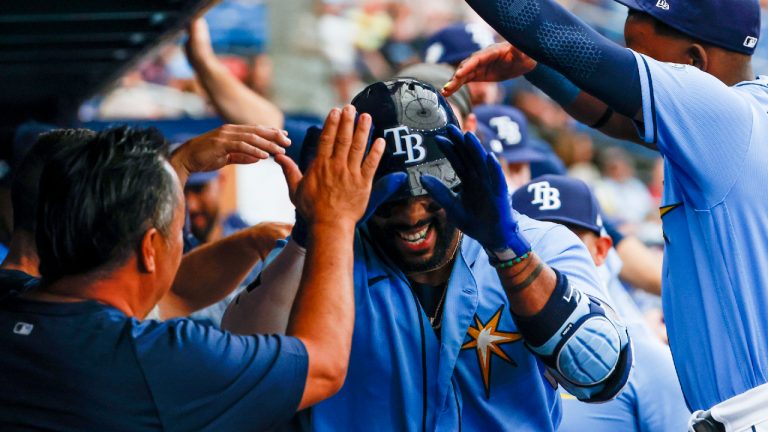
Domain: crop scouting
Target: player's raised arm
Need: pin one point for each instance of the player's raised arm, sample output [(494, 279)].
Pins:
[(265, 305), (234, 101), (564, 326), (503, 61), (212, 271), (546, 32), (331, 198)]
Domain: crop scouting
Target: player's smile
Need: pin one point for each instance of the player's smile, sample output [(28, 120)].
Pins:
[(418, 239), (414, 233)]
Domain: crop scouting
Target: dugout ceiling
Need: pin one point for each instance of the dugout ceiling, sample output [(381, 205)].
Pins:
[(54, 54)]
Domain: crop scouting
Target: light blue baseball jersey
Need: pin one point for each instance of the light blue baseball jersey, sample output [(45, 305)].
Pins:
[(652, 400), (714, 140), (477, 376)]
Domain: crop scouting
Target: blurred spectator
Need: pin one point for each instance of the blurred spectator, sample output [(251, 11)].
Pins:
[(620, 193), (577, 151), (304, 82), (508, 140), (139, 99), (203, 194), (336, 30), (234, 101), (656, 184), (456, 42)]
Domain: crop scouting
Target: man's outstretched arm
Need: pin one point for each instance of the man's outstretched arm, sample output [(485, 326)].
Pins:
[(504, 61), (545, 31), (210, 272)]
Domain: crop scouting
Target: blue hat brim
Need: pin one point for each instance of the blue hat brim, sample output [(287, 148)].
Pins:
[(455, 57), (632, 4), (525, 154), (201, 178), (566, 220)]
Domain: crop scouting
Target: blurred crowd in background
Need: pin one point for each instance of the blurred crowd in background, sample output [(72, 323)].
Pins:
[(306, 56)]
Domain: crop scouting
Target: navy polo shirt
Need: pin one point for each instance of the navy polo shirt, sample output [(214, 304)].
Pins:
[(87, 366)]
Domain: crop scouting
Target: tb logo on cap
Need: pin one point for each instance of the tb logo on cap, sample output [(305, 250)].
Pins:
[(412, 142), (507, 129), (545, 196)]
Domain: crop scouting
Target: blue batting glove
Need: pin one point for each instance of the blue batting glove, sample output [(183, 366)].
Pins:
[(483, 209)]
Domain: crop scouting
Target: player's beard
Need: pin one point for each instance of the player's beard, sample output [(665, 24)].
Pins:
[(202, 231), (447, 237)]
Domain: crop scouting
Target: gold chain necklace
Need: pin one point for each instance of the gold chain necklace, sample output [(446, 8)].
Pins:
[(438, 311)]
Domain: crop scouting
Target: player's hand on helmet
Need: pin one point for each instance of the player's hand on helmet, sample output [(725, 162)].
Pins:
[(497, 62), (382, 190), (482, 209), (337, 184), (229, 144)]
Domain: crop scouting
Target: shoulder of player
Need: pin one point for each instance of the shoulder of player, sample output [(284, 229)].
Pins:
[(540, 232), (195, 340), (178, 333), (675, 72), (757, 89)]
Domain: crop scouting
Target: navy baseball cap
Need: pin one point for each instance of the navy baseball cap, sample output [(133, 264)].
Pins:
[(506, 133), (559, 199), (730, 24), (201, 178), (456, 42), (550, 163), (409, 114)]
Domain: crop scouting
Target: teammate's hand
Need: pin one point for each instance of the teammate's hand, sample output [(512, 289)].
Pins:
[(482, 210), (266, 234), (498, 62), (337, 185), (198, 45), (382, 189), (229, 144)]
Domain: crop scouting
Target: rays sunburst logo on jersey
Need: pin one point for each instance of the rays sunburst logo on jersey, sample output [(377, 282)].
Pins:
[(486, 338)]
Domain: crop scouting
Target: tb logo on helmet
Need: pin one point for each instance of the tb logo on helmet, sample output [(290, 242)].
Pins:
[(412, 142), (544, 195)]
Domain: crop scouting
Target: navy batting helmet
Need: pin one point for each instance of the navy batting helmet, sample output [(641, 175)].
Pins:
[(409, 114)]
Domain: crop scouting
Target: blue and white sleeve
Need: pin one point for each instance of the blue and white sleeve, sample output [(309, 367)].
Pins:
[(583, 343), (551, 35), (698, 123)]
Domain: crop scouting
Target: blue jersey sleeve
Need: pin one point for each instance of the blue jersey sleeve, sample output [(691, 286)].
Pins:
[(561, 249), (700, 125), (202, 378)]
